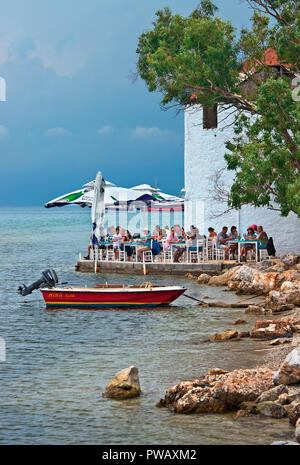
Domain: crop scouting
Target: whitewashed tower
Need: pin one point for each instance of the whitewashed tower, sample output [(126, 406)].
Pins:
[(206, 132)]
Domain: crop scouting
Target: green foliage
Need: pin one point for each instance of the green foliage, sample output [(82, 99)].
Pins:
[(180, 55), (265, 164), (199, 59)]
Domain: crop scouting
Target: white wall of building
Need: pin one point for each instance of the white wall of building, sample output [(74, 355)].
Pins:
[(204, 155)]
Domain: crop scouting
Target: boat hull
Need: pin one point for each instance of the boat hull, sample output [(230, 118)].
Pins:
[(101, 298)]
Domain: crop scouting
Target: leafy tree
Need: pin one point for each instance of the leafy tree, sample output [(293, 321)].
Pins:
[(200, 59)]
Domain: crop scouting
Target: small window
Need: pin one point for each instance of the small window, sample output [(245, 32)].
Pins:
[(210, 117)]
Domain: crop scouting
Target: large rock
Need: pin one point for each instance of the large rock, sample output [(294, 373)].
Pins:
[(297, 431), (290, 259), (271, 409), (223, 279), (273, 393), (218, 392), (252, 279), (274, 328), (293, 297), (244, 273), (265, 282), (204, 278), (289, 372), (293, 411), (124, 385)]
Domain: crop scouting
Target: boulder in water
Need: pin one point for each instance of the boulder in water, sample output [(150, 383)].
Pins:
[(125, 384)]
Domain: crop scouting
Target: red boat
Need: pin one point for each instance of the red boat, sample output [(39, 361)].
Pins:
[(106, 295)]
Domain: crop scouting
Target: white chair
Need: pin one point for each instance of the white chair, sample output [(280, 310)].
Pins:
[(193, 256), (168, 255), (219, 254), (122, 255), (110, 255), (100, 254), (263, 253), (209, 251), (201, 247), (93, 252), (147, 256)]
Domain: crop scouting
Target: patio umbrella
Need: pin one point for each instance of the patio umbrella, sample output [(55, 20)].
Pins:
[(115, 196), (98, 208)]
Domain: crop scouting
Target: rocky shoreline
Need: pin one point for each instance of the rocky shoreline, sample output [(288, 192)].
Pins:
[(272, 390)]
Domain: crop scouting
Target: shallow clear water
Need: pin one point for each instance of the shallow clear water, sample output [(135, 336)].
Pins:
[(58, 362)]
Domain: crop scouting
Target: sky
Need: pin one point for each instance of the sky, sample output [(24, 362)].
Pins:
[(71, 107)]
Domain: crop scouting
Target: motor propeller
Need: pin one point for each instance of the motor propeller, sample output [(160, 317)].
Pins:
[(48, 279)]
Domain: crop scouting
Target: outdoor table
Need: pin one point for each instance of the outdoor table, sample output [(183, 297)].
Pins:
[(179, 243), (136, 245), (174, 244), (241, 243)]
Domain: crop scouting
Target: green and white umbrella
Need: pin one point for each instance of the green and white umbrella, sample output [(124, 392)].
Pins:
[(112, 195)]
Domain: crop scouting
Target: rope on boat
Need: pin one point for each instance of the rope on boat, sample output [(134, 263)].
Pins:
[(194, 298)]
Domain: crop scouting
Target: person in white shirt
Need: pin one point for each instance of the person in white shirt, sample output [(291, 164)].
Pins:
[(117, 241)]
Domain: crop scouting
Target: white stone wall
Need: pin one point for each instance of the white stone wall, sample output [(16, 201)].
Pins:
[(204, 155)]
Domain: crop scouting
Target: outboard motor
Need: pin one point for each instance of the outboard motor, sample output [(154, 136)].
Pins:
[(48, 279)]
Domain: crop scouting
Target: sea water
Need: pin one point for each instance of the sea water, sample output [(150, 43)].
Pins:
[(58, 362)]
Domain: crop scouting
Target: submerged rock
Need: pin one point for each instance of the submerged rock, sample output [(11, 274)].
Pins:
[(284, 443), (255, 310), (203, 278), (225, 335), (190, 276), (125, 384), (240, 322)]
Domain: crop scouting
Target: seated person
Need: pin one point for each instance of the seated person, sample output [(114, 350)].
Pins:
[(127, 238), (157, 237), (232, 248), (156, 230), (212, 237), (250, 236), (262, 237), (192, 237), (166, 231), (222, 238), (171, 238), (255, 229), (147, 244), (158, 234)]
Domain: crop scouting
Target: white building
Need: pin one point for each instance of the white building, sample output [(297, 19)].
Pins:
[(204, 156)]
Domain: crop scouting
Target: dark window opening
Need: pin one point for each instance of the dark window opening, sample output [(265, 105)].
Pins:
[(210, 117)]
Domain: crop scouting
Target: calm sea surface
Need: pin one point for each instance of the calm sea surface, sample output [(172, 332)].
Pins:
[(58, 362)]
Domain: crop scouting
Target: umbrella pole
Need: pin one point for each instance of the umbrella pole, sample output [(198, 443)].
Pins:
[(96, 258)]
